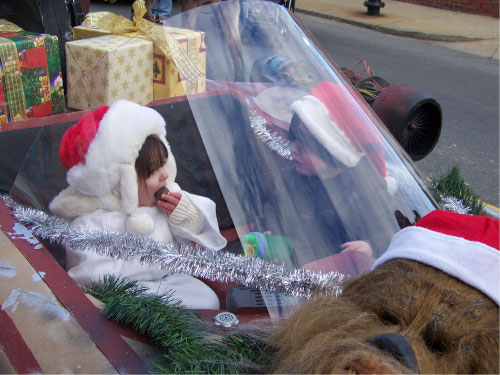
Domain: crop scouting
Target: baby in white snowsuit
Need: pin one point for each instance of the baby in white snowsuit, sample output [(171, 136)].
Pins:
[(117, 158)]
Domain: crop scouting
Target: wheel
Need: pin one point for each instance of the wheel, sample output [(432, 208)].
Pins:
[(413, 118)]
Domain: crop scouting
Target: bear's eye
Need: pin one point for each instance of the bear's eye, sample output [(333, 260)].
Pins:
[(436, 340), (387, 318)]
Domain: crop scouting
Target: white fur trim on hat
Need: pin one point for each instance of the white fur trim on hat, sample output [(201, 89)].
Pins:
[(315, 116), (109, 167), (474, 263)]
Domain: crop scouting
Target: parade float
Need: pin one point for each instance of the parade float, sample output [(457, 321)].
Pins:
[(224, 77)]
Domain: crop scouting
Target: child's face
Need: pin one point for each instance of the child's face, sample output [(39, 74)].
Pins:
[(307, 162), (147, 188)]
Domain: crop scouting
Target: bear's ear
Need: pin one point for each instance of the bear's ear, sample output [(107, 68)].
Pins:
[(96, 180), (402, 220)]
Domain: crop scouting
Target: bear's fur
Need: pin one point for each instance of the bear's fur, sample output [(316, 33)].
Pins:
[(451, 327)]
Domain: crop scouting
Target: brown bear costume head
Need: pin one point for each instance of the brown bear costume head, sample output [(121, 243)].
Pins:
[(430, 305)]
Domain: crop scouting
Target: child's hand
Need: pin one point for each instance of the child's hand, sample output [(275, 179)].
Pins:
[(361, 246), (169, 202)]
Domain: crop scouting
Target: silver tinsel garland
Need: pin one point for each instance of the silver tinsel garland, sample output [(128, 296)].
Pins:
[(271, 139), (454, 204), (181, 258)]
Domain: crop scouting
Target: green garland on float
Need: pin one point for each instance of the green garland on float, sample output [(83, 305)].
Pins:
[(188, 345), (450, 189)]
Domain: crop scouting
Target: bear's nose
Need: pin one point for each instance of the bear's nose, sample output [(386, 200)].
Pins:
[(398, 347)]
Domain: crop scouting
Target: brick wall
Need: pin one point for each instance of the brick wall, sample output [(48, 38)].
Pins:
[(484, 7)]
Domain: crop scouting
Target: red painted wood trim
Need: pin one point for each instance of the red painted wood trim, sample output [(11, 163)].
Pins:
[(103, 332), (42, 121), (230, 234), (74, 115), (19, 354)]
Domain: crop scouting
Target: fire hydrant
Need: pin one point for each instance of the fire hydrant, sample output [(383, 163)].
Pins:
[(374, 7)]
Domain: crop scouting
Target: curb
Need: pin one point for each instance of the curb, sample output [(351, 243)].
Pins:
[(393, 30), (491, 210)]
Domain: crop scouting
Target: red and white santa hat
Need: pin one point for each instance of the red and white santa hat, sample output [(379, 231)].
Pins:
[(464, 246), (100, 152), (334, 118)]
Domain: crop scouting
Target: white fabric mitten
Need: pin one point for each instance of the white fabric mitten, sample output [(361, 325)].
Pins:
[(187, 216)]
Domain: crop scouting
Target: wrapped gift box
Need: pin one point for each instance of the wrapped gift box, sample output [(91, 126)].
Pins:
[(167, 81), (106, 68), (31, 83), (86, 32)]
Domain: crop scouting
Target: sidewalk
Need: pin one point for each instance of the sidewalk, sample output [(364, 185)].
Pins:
[(406, 19), (469, 32), (396, 17)]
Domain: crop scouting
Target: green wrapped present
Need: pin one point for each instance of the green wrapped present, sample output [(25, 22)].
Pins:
[(31, 83)]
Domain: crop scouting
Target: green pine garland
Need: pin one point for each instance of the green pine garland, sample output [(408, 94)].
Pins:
[(185, 342), (452, 184)]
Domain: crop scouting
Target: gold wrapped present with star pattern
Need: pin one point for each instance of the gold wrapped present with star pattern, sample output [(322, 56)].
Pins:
[(168, 81), (110, 67), (179, 55)]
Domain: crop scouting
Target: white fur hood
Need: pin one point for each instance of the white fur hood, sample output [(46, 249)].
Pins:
[(107, 178)]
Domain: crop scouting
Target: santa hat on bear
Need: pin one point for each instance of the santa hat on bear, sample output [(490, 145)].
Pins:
[(464, 246), (100, 153), (330, 114)]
